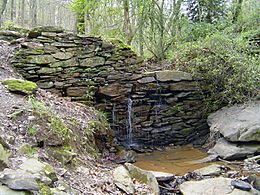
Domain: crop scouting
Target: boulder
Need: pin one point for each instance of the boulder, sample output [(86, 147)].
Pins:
[(143, 176), (34, 166), (3, 158), (211, 170), (212, 186), (231, 151), (123, 180), (18, 179), (4, 190), (239, 123), (172, 75)]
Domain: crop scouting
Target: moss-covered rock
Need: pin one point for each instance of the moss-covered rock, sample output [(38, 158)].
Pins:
[(20, 86), (62, 154)]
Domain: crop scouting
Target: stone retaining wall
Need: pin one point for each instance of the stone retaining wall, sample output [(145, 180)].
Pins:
[(148, 108)]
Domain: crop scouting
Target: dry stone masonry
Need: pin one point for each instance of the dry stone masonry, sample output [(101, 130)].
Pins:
[(145, 108)]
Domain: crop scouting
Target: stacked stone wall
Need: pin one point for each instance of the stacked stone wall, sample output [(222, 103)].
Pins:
[(147, 108)]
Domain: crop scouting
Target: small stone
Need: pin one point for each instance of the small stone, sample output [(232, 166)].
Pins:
[(162, 176), (214, 169), (241, 185)]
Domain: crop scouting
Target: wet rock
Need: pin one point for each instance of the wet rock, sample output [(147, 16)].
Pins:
[(162, 176), (18, 180), (230, 151), (211, 186), (123, 180), (207, 159), (255, 181), (126, 156), (3, 158), (241, 185), (212, 170), (143, 176), (4, 190), (112, 90), (239, 123), (172, 75)]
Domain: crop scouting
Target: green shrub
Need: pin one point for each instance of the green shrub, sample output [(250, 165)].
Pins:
[(226, 66)]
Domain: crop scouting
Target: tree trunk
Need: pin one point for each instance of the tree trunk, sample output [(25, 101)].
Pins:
[(237, 10), (4, 2), (22, 12), (127, 24), (33, 12)]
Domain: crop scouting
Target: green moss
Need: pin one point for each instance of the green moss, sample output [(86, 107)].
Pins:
[(29, 150), (21, 86), (50, 172), (44, 189), (59, 127)]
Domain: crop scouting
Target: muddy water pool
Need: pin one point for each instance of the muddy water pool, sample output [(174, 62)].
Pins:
[(172, 160)]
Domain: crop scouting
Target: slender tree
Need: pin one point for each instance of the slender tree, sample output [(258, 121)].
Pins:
[(3, 6)]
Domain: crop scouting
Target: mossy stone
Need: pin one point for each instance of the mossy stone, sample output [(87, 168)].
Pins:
[(20, 86)]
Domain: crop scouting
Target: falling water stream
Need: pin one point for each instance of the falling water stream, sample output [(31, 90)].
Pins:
[(129, 135), (114, 116)]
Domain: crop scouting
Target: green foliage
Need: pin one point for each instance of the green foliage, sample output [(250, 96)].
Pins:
[(29, 150), (32, 130), (99, 125), (9, 25), (231, 74), (44, 189), (55, 122), (38, 106), (58, 126), (206, 10)]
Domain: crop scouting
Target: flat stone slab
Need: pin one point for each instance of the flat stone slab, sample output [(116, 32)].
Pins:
[(172, 75), (162, 176), (214, 169), (217, 186), (231, 151)]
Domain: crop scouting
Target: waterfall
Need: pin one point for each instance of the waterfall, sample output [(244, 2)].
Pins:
[(114, 116), (129, 135), (159, 102)]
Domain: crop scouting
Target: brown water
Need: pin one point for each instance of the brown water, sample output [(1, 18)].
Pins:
[(171, 160)]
